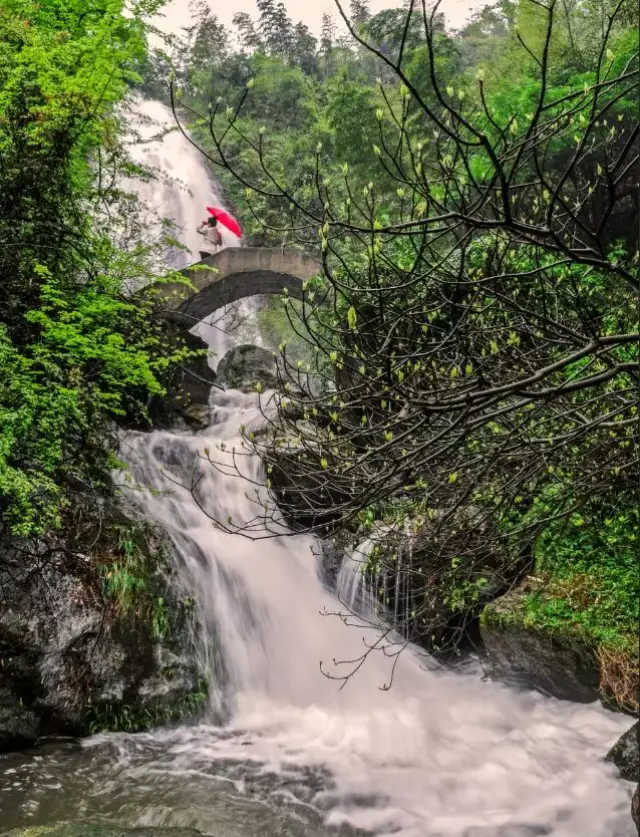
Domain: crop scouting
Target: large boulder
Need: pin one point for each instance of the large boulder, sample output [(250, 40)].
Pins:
[(561, 663), (436, 573), (635, 808), (185, 406), (75, 658), (244, 366), (306, 498), (625, 754)]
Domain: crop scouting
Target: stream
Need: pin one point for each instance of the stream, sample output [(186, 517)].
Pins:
[(439, 754)]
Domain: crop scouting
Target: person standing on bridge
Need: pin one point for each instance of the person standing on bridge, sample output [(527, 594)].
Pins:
[(212, 237)]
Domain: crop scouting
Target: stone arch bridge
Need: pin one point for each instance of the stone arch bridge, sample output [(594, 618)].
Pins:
[(238, 272)]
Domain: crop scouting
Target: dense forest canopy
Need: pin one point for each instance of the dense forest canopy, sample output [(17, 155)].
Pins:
[(474, 198)]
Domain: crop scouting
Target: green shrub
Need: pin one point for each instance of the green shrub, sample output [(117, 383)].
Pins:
[(118, 717)]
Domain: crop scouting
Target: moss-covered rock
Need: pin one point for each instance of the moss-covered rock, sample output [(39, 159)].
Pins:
[(244, 366), (583, 592), (557, 662), (548, 633), (93, 635), (86, 830)]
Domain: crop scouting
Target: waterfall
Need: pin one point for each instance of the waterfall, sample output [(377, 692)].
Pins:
[(178, 190), (439, 754), (180, 186)]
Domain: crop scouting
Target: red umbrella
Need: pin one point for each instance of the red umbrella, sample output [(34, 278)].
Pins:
[(226, 219)]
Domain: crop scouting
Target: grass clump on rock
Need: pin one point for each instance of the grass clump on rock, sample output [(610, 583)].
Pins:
[(583, 597)]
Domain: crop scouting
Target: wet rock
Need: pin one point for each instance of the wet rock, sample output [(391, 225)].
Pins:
[(186, 404), (176, 456), (625, 754), (304, 496), (559, 664), (330, 560), (19, 682), (244, 366), (85, 830), (72, 661), (18, 726), (195, 377), (197, 416)]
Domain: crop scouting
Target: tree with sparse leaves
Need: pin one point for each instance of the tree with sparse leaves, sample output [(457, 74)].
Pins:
[(304, 49), (327, 34), (276, 28), (360, 12), (249, 37), (475, 327)]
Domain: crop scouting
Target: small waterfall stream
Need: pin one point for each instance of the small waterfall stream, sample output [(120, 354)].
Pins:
[(440, 754), (181, 186)]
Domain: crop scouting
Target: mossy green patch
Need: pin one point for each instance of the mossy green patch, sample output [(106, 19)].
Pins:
[(590, 572), (117, 717), (586, 590)]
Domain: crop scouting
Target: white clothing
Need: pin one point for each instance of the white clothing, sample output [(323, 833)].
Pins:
[(212, 238)]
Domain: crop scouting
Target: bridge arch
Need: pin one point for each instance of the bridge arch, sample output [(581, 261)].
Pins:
[(239, 272)]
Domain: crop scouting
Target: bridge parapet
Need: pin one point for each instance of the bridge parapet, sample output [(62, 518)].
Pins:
[(239, 272)]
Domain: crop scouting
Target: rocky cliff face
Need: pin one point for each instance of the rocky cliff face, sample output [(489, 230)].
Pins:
[(76, 656)]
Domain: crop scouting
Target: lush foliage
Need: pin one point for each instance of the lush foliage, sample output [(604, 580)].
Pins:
[(126, 579), (75, 352), (584, 590), (592, 559), (124, 718)]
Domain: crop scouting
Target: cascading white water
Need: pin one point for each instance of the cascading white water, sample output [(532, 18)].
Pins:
[(440, 754), (179, 189)]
